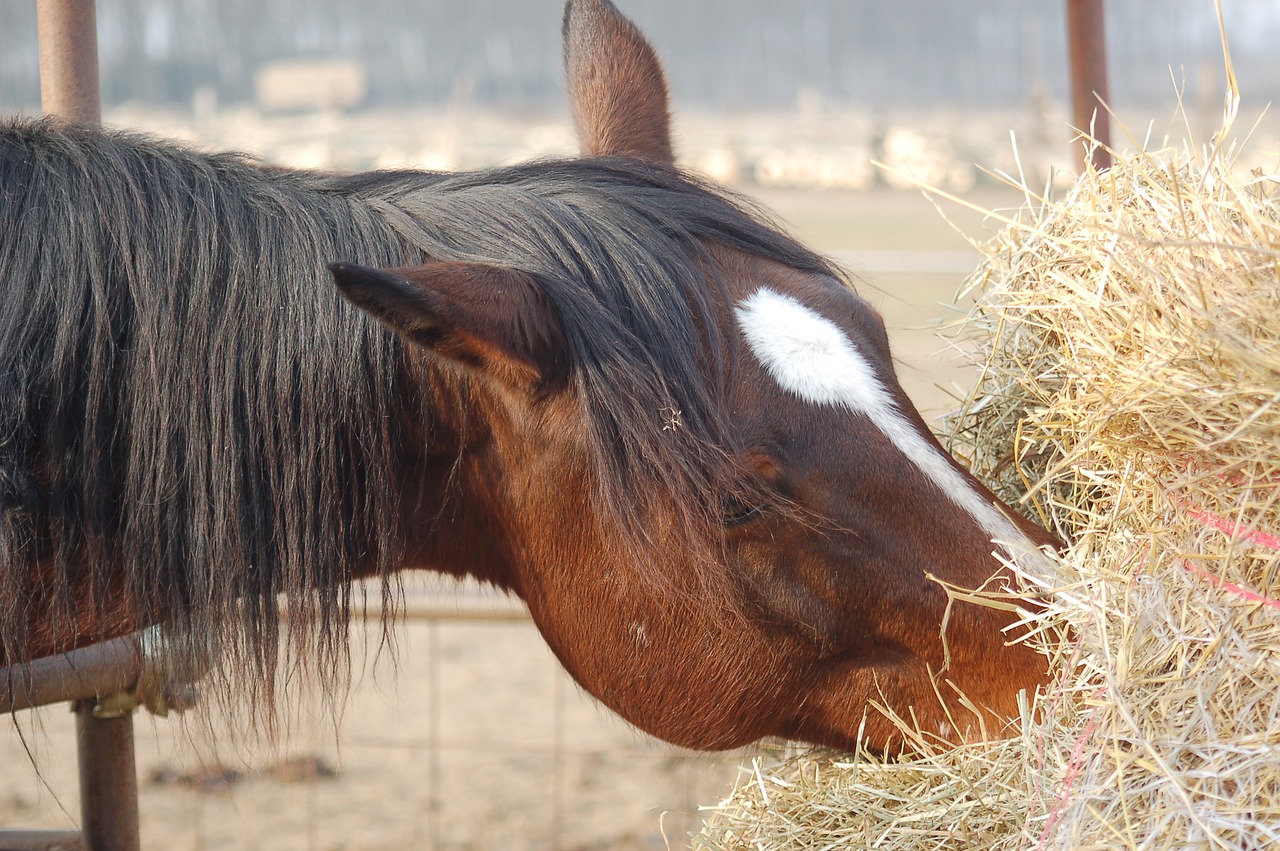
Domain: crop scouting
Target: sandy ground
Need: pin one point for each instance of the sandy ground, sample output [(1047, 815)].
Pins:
[(486, 772)]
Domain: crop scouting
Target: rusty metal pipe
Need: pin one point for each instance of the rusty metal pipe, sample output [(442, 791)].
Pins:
[(69, 59), (90, 672), (1087, 47), (108, 780)]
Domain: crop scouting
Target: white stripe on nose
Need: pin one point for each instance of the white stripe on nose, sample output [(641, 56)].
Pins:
[(809, 356)]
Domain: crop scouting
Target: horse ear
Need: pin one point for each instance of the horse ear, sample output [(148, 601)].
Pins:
[(616, 86), (480, 316)]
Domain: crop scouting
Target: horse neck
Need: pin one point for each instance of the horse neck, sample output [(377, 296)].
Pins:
[(453, 509)]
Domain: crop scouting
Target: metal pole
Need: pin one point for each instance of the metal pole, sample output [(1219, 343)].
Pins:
[(90, 672), (69, 59), (68, 31), (1087, 43), (108, 780)]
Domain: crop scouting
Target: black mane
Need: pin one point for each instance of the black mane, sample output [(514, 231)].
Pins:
[(184, 395)]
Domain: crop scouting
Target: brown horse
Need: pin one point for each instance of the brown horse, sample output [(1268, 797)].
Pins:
[(675, 433)]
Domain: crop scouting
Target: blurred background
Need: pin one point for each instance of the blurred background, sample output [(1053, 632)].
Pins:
[(934, 82), (474, 739), (725, 55)]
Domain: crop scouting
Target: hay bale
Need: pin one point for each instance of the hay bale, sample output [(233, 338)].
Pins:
[(1130, 399)]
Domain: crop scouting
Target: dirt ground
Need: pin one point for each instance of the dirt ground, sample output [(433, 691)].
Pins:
[(477, 740)]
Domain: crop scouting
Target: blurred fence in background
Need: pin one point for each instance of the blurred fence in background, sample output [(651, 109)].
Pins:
[(724, 54)]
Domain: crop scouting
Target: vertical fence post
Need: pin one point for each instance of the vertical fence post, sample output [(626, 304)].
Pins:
[(68, 31), (69, 59), (108, 780), (1087, 42)]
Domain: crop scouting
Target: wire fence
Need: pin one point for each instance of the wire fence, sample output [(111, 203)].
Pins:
[(477, 740)]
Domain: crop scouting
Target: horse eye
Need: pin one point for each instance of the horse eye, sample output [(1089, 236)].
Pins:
[(740, 514)]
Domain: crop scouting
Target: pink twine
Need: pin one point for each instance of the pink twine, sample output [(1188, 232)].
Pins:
[(1074, 765), (1235, 530), (1229, 527), (1219, 582)]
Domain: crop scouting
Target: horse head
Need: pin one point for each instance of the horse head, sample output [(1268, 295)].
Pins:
[(767, 553)]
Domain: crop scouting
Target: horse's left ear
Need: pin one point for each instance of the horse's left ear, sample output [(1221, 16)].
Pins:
[(616, 86), (480, 316)]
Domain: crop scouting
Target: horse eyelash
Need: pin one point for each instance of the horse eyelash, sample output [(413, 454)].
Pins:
[(736, 515)]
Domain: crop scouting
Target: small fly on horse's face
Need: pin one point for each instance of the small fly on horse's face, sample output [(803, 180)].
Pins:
[(670, 429), (809, 582)]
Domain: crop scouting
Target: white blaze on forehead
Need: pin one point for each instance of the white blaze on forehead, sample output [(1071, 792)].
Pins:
[(809, 356)]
